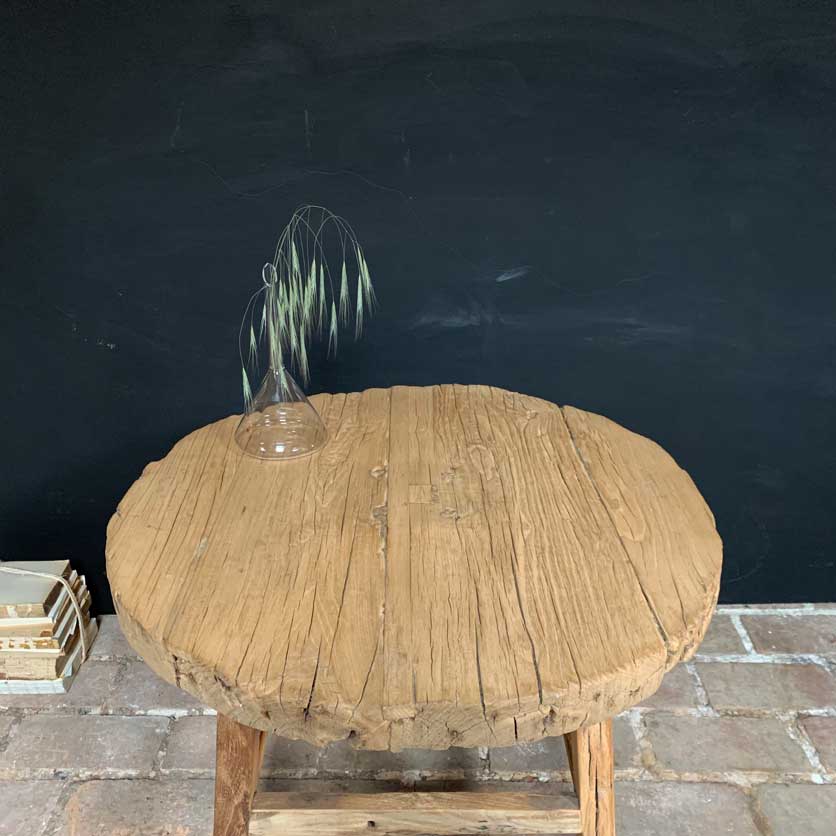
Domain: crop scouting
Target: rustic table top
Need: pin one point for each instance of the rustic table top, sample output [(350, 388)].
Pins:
[(458, 566)]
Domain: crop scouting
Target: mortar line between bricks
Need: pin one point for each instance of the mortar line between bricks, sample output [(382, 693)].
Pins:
[(43, 773), (764, 659), (660, 774), (759, 818), (56, 817), (733, 713), (557, 776), (485, 758), (791, 610), (743, 633), (112, 657), (121, 672), (702, 695), (320, 754), (737, 777), (17, 718), (829, 711), (162, 750), (647, 757), (187, 774), (97, 711), (173, 713), (797, 733)]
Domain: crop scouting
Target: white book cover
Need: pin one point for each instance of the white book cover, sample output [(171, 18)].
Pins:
[(56, 611), (22, 595)]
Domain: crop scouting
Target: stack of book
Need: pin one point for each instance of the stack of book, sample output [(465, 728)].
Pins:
[(40, 633)]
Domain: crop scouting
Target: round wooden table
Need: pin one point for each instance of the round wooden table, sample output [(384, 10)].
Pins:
[(458, 566)]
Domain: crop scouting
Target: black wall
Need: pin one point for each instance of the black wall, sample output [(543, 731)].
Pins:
[(661, 175)]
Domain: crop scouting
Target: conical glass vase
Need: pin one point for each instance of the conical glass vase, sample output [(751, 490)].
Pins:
[(280, 422)]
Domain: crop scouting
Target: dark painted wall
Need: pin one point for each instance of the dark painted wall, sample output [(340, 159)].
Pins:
[(661, 176)]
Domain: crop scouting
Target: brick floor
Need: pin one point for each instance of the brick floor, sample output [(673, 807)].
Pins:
[(140, 691), (7, 726), (95, 682), (26, 806), (110, 642), (678, 690), (191, 746), (742, 740), (715, 745), (666, 808), (783, 687), (822, 734), (721, 637), (48, 744), (792, 633), (534, 760), (168, 808), (805, 810)]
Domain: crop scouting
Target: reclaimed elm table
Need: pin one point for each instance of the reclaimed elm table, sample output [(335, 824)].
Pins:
[(458, 566)]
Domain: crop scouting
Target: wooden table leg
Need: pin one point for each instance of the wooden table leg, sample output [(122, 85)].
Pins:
[(590, 752), (239, 750)]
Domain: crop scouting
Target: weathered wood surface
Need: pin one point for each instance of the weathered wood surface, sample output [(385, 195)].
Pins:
[(238, 754), (592, 763), (460, 565), (404, 813)]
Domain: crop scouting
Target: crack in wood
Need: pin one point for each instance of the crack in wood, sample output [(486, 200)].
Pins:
[(444, 566)]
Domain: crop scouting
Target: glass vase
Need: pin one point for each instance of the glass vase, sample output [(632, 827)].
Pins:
[(280, 422)]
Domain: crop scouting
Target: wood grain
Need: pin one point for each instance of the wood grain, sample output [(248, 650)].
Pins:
[(591, 761), (402, 813), (238, 754), (459, 566)]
